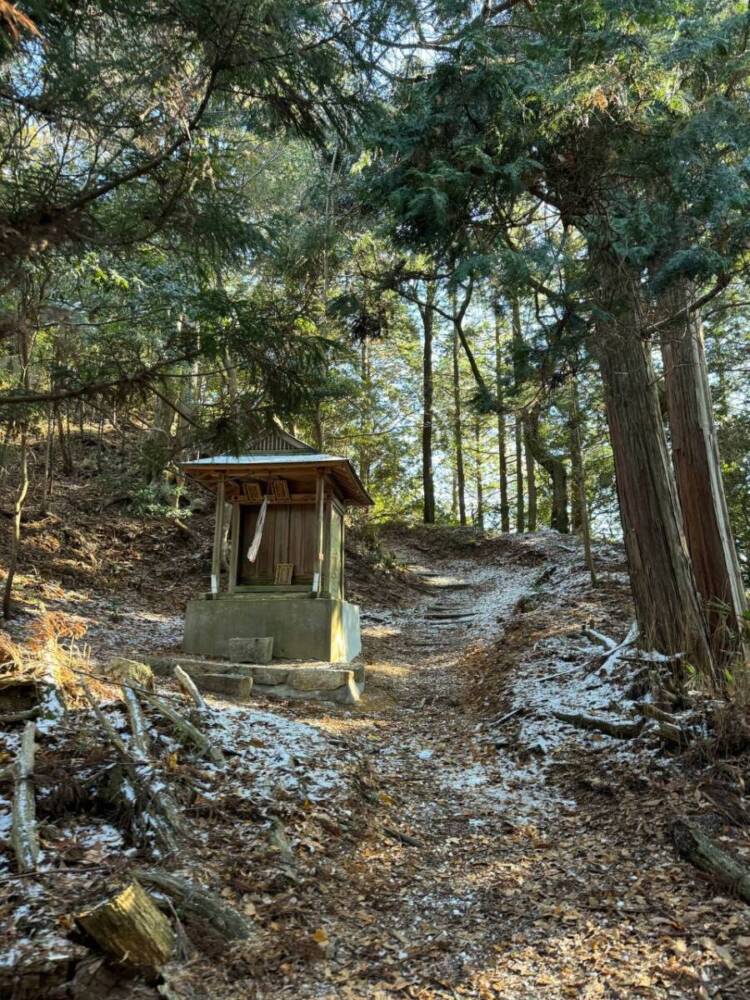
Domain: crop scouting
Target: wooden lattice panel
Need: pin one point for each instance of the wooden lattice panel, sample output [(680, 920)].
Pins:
[(280, 489), (252, 491)]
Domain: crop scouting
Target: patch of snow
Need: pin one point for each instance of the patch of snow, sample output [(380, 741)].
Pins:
[(271, 752), (517, 791)]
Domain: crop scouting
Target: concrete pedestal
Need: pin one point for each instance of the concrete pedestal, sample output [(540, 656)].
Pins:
[(303, 627)]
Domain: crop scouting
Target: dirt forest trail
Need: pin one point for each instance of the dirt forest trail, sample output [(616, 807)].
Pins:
[(498, 863), (451, 835)]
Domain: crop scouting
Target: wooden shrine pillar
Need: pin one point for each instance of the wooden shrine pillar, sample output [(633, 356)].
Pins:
[(218, 535), (234, 552), (319, 532)]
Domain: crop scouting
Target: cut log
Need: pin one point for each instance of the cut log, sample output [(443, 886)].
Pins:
[(187, 730), (137, 721), (131, 928), (188, 686), (620, 729), (24, 836), (192, 900), (694, 846)]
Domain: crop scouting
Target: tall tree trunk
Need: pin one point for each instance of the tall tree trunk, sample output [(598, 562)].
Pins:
[(364, 449), (15, 542), (581, 522), (695, 454), (457, 432), (501, 432), (67, 461), (554, 467), (49, 452), (531, 494), (479, 522), (428, 482), (520, 512), (517, 344), (159, 440), (317, 422), (667, 604)]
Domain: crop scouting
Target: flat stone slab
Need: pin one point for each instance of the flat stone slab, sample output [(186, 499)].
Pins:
[(347, 694), (232, 685), (257, 650), (317, 678)]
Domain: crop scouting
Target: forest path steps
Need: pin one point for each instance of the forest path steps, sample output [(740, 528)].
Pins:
[(490, 863)]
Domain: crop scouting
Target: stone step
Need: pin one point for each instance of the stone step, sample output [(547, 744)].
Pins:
[(448, 583), (233, 685), (284, 680), (450, 616)]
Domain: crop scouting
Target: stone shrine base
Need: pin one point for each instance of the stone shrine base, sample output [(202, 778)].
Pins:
[(303, 626)]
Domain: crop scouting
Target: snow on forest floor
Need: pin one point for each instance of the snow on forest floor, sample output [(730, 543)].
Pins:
[(449, 836)]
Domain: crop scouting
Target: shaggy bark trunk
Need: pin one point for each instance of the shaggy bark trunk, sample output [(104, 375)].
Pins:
[(665, 596), (428, 483), (457, 433), (695, 454)]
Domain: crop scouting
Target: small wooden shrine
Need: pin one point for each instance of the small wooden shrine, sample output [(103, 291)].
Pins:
[(285, 554)]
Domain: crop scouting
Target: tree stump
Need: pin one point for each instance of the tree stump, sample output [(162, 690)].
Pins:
[(131, 928)]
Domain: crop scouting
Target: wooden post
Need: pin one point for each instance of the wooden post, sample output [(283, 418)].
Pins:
[(342, 594), (319, 532), (235, 549), (218, 535)]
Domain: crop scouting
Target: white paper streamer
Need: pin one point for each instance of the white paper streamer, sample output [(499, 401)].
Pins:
[(252, 552)]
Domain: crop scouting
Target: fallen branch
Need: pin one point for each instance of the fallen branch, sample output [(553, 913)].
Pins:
[(24, 836), (132, 785), (601, 638), (619, 729), (187, 730), (502, 719), (615, 654), (403, 838), (694, 846), (667, 725), (193, 900), (10, 717), (137, 721), (188, 686)]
